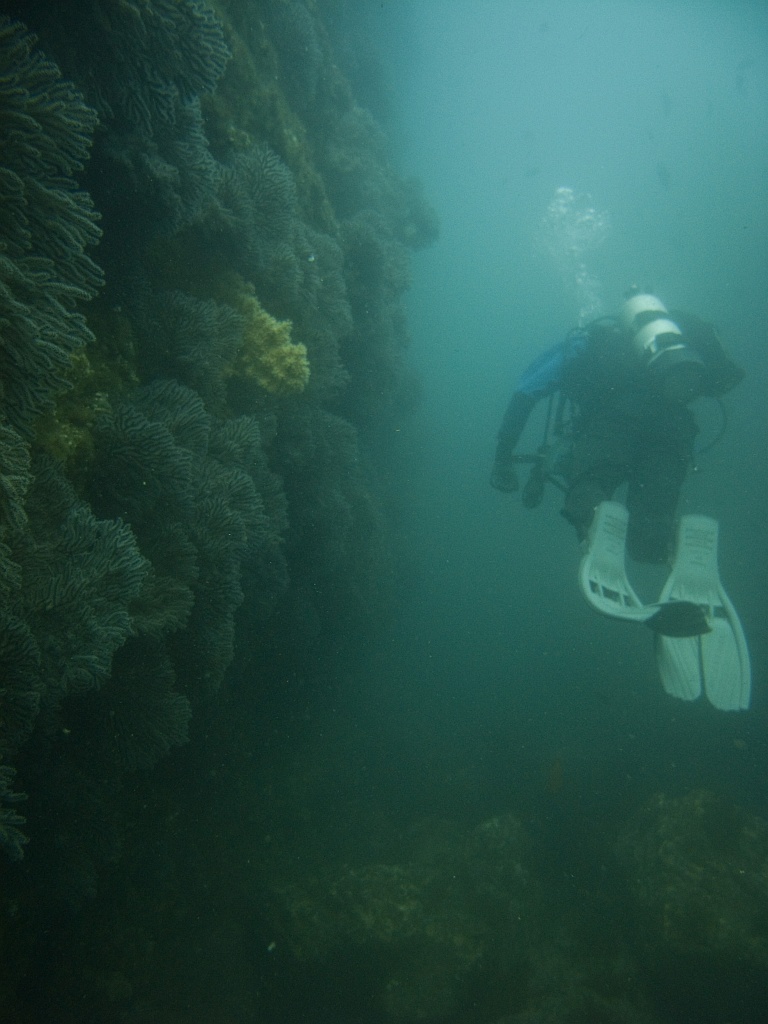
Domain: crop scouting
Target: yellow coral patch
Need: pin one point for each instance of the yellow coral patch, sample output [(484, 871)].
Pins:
[(269, 355), (284, 370)]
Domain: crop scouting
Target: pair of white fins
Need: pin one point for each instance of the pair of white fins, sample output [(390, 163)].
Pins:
[(700, 644)]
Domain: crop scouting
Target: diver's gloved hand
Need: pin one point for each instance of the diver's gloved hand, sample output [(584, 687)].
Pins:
[(504, 477)]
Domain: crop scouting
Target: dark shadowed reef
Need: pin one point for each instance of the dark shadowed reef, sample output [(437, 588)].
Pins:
[(203, 253)]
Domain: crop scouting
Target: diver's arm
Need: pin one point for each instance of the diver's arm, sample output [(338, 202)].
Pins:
[(520, 407), (541, 378), (504, 474)]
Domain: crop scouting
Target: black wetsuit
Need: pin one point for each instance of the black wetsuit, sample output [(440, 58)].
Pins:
[(624, 431)]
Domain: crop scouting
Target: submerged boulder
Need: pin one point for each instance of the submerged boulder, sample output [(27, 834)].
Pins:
[(427, 927), (699, 870)]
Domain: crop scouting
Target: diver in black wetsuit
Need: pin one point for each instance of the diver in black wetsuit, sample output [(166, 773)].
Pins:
[(629, 381)]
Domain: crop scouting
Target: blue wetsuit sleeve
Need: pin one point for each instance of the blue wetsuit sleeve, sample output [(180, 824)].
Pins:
[(542, 378), (545, 374)]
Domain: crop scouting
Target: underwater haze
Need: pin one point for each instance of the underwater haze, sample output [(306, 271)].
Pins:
[(652, 116), (650, 119), (301, 720)]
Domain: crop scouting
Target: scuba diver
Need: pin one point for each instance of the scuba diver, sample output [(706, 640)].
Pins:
[(619, 391)]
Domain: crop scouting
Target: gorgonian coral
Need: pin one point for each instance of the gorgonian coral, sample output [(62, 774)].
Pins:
[(295, 36), (172, 171), (15, 478), (80, 575), (144, 56), (64, 613), (138, 716), (191, 489), (12, 839), (258, 207), (200, 342), (46, 225)]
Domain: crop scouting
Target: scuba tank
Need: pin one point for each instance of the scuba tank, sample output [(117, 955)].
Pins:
[(660, 347)]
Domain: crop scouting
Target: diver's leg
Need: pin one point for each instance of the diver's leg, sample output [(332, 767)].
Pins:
[(595, 468), (652, 499), (584, 495)]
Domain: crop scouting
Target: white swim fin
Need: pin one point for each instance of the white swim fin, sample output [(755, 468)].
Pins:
[(717, 661), (604, 582), (602, 572)]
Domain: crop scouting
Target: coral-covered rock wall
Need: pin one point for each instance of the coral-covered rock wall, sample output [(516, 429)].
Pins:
[(203, 253)]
